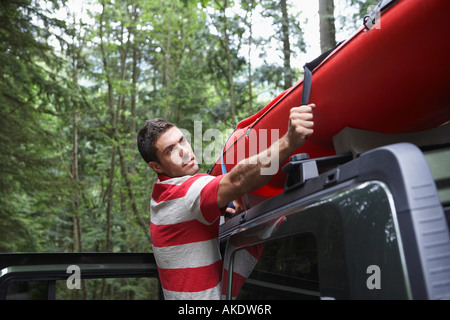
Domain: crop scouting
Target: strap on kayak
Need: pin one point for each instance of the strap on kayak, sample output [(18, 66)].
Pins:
[(307, 79)]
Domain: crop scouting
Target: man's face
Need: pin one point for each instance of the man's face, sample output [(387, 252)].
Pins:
[(176, 158)]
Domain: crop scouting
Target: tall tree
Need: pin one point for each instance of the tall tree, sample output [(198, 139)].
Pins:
[(224, 62), (223, 26), (286, 45), (117, 73), (288, 33), (327, 26), (249, 7)]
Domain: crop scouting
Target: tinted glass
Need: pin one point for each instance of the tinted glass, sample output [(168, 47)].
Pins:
[(287, 269)]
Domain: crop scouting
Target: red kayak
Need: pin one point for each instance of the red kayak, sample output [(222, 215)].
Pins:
[(393, 77)]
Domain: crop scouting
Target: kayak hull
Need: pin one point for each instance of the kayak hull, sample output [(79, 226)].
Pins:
[(393, 78)]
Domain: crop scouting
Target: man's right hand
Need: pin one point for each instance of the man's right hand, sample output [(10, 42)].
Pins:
[(247, 174), (300, 125)]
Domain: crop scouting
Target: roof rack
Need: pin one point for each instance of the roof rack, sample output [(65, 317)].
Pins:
[(301, 168)]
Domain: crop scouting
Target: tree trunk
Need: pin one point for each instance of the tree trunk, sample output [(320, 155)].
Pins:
[(229, 65), (130, 191), (113, 122), (167, 61), (134, 93), (114, 110), (286, 45), (109, 204), (327, 27), (77, 239), (77, 231), (250, 43)]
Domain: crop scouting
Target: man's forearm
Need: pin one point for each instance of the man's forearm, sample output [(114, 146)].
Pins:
[(256, 171), (252, 173)]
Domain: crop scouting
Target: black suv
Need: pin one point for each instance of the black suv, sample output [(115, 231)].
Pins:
[(373, 225)]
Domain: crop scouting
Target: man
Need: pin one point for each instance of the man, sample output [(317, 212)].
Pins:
[(186, 206)]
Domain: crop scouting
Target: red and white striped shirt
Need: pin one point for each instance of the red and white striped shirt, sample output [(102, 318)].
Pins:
[(184, 230)]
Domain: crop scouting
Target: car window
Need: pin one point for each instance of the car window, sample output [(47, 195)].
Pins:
[(286, 269)]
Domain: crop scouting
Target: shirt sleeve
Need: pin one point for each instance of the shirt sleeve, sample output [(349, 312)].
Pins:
[(208, 200), (201, 199)]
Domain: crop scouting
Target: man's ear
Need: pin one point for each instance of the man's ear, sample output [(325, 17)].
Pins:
[(156, 167)]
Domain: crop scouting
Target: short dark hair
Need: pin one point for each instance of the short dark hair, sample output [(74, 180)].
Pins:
[(148, 135)]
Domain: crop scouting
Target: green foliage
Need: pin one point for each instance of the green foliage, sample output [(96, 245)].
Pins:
[(74, 93), (26, 86)]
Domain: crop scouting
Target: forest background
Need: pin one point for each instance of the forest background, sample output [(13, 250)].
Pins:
[(79, 78)]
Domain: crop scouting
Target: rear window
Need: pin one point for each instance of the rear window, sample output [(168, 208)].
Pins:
[(287, 269)]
